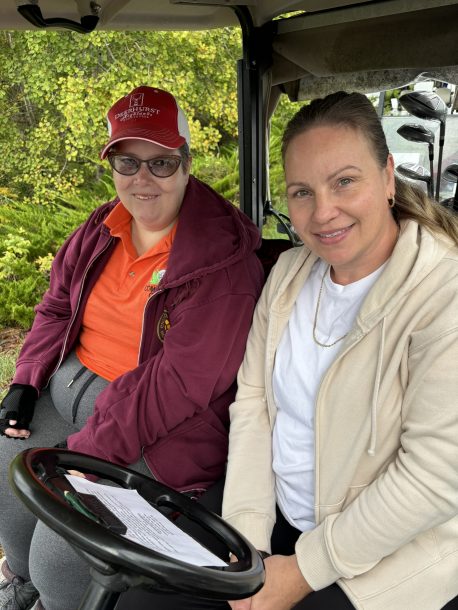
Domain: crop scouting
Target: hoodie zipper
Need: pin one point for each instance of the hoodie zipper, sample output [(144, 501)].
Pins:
[(197, 491), (75, 313), (150, 298)]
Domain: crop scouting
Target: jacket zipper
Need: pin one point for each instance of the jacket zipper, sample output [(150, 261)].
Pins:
[(150, 298), (198, 491), (75, 313)]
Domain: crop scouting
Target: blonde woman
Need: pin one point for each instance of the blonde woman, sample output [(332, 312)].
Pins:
[(343, 454)]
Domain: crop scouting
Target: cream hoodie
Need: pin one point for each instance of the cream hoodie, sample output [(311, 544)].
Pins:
[(386, 426)]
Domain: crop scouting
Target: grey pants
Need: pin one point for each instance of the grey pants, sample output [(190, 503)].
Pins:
[(33, 550)]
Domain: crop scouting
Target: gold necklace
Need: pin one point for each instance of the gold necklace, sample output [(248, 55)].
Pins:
[(316, 317)]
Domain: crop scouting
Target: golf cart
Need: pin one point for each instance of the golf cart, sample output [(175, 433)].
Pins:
[(327, 45)]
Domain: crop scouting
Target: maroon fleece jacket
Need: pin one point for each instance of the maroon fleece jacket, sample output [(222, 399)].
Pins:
[(173, 407)]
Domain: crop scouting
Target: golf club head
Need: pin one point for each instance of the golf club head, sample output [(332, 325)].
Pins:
[(416, 133), (424, 105), (451, 173), (414, 171)]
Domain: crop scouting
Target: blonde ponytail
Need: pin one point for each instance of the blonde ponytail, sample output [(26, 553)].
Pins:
[(411, 202)]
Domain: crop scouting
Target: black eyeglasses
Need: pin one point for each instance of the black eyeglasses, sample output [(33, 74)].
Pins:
[(161, 167)]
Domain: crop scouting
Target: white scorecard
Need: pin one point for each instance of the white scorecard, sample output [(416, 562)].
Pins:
[(146, 525)]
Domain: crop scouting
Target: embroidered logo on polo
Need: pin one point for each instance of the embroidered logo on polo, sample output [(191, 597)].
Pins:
[(156, 277), (163, 325)]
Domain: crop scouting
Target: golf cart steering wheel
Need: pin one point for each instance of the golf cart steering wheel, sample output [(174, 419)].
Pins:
[(37, 477)]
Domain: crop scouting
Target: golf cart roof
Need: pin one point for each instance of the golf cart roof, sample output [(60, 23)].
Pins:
[(304, 48), (172, 14)]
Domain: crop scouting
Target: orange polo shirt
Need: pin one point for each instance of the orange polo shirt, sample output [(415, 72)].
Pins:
[(112, 320)]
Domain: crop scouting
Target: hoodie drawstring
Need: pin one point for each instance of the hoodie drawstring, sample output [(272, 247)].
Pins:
[(378, 374)]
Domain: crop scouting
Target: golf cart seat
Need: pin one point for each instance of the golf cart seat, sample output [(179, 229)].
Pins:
[(269, 252), (117, 563)]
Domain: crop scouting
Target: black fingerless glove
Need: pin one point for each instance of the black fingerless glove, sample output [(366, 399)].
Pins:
[(18, 404)]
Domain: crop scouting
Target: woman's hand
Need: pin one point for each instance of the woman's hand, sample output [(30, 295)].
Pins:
[(283, 589), (15, 433), (16, 411), (76, 473)]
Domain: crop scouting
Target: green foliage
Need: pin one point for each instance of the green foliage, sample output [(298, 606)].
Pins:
[(30, 235), (7, 367), (19, 280), (220, 171), (58, 86), (393, 94)]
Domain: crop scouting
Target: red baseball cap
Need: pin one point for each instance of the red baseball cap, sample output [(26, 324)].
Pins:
[(150, 114)]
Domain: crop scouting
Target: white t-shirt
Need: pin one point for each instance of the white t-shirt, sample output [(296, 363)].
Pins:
[(299, 367)]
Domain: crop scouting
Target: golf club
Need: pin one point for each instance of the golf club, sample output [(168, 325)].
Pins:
[(418, 133), (451, 175), (416, 172), (428, 105)]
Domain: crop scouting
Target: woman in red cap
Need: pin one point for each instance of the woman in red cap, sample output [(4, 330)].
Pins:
[(135, 347)]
